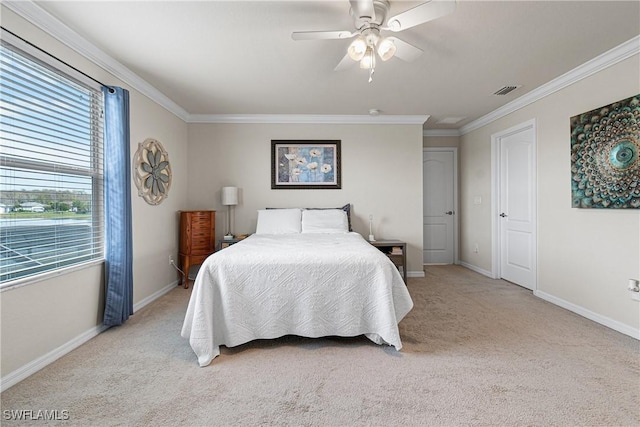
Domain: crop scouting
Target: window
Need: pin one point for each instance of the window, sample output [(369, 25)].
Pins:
[(51, 181)]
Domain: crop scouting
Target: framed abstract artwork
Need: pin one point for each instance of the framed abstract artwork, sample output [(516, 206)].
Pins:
[(605, 167), (305, 164)]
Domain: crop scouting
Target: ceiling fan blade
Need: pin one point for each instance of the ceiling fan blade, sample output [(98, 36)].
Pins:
[(425, 12), (405, 51), (321, 35), (363, 8), (345, 63)]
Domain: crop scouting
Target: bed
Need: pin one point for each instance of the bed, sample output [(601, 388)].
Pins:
[(303, 273)]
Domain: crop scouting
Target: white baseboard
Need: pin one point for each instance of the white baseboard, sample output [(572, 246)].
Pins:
[(477, 269), (34, 366), (419, 273), (598, 318), (154, 296)]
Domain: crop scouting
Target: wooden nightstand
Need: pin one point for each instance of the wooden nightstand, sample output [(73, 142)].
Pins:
[(396, 250), (225, 243)]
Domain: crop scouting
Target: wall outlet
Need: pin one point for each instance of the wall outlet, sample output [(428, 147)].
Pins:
[(476, 248), (634, 289), (170, 259)]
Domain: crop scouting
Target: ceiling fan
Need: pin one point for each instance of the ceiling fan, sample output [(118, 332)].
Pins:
[(370, 19)]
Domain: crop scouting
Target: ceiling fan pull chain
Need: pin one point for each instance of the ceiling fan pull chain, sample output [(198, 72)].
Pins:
[(371, 71)]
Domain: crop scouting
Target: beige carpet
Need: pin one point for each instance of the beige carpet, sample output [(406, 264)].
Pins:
[(476, 352)]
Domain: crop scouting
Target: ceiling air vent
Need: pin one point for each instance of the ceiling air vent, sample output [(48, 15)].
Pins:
[(505, 90)]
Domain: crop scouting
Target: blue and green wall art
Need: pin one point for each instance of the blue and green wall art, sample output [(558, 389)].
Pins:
[(605, 162)]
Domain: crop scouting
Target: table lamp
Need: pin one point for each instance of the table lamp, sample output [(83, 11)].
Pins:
[(371, 238), (229, 198)]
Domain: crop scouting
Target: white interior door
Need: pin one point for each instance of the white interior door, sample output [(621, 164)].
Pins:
[(439, 206), (517, 206)]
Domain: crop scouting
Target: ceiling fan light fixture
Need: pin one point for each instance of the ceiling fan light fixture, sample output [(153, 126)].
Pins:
[(368, 61), (369, 19), (386, 49), (357, 49)]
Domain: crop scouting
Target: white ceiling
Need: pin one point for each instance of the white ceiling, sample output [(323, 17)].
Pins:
[(237, 57)]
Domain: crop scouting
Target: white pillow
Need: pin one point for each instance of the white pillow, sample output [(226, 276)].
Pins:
[(278, 221), (325, 221)]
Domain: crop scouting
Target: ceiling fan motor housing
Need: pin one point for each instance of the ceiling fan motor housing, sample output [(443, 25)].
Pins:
[(363, 22)]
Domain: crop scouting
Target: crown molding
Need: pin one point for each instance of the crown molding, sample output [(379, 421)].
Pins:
[(33, 13), (307, 119), (30, 11), (599, 63), (442, 132)]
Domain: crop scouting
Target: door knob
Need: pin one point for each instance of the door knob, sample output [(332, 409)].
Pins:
[(448, 213), (503, 215)]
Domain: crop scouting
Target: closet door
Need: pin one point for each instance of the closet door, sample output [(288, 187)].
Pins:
[(439, 210)]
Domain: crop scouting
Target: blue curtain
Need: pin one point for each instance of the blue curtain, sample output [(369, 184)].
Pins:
[(117, 199)]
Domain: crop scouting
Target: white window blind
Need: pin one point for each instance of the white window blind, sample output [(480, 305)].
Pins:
[(51, 180)]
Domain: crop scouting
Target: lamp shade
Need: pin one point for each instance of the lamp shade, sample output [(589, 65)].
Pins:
[(357, 49), (368, 61), (386, 49), (229, 196)]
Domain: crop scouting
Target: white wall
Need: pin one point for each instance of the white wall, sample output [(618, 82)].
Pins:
[(41, 317), (585, 256), (381, 175), (474, 172)]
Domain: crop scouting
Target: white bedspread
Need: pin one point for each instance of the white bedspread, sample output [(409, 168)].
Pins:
[(310, 285)]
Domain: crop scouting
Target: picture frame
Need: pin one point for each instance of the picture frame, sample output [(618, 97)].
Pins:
[(605, 156), (305, 164)]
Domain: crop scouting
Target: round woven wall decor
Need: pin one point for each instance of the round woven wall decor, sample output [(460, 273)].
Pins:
[(152, 171)]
